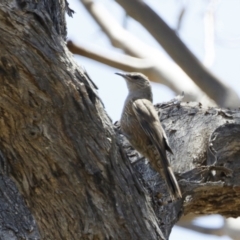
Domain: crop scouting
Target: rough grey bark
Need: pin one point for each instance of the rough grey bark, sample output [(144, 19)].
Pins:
[(206, 150), (64, 171), (16, 221), (59, 146)]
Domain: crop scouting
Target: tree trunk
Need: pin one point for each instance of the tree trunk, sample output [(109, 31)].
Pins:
[(64, 170), (58, 144)]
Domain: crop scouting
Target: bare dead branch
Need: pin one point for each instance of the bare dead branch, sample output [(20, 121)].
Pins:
[(187, 222), (204, 230), (111, 58), (210, 84), (203, 142), (231, 227), (163, 70)]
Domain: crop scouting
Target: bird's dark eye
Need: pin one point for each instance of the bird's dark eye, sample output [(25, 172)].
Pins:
[(135, 77)]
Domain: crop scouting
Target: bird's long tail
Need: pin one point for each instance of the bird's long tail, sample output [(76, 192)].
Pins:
[(172, 183), (168, 174)]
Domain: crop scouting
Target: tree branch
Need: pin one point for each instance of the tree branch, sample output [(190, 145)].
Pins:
[(218, 91), (163, 70), (207, 143), (187, 222), (206, 159), (111, 58)]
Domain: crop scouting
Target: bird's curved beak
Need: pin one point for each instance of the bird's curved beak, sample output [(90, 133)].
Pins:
[(121, 74), (125, 76)]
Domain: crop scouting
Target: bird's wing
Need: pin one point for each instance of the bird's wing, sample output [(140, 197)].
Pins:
[(167, 143), (148, 119)]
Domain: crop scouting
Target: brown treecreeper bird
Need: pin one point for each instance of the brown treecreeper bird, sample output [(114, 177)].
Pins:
[(140, 124)]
